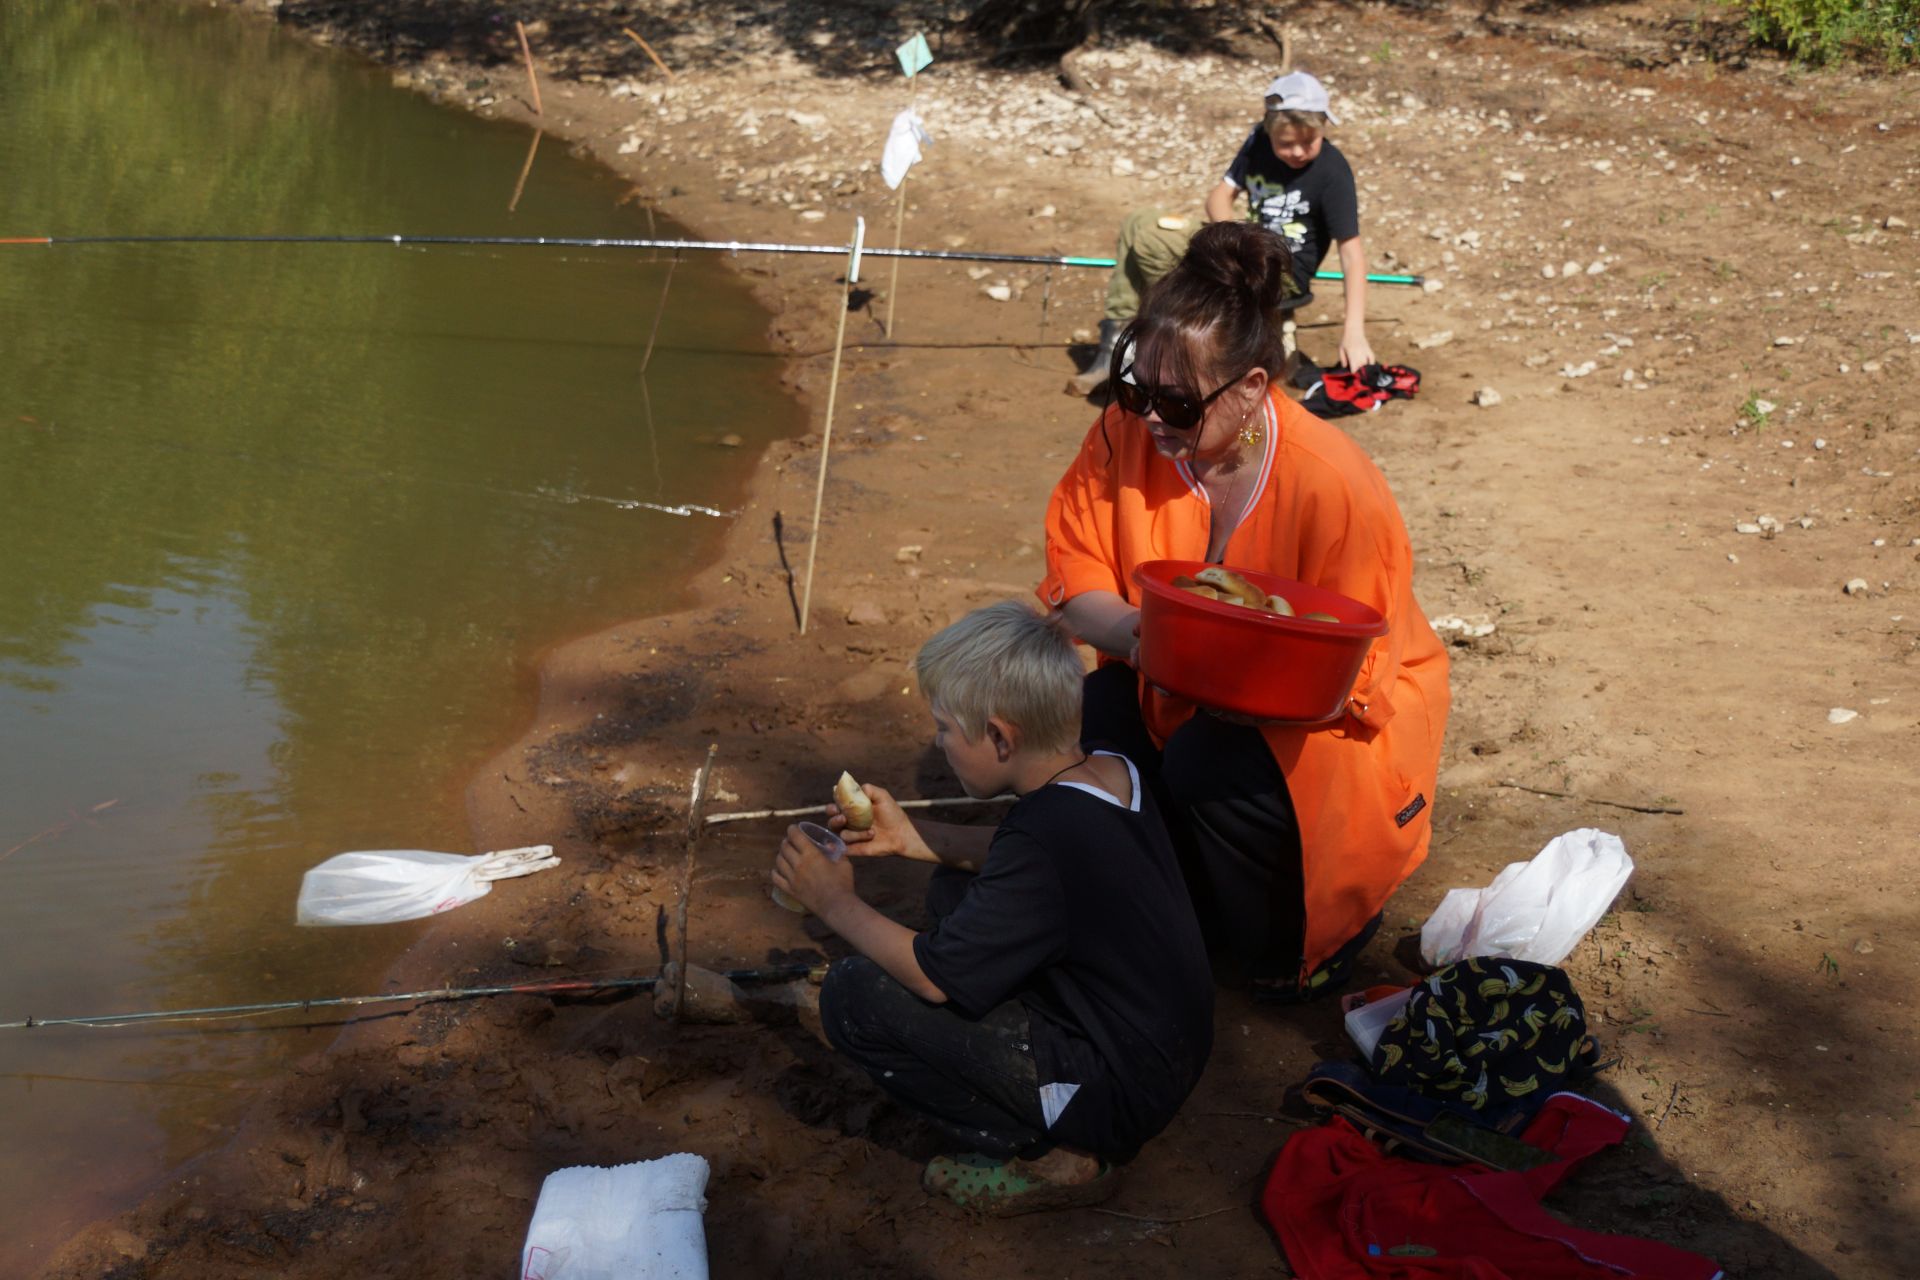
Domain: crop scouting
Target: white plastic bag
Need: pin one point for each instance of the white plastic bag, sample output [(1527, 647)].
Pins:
[(902, 150), (631, 1222), (1537, 910), (384, 885)]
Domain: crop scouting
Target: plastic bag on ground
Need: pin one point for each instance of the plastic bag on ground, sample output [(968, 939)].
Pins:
[(631, 1222), (381, 886), (1536, 910)]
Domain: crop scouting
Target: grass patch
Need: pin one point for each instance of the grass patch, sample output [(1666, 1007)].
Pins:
[(1885, 33)]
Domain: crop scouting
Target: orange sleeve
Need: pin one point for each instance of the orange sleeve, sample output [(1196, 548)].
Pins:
[(1082, 554), (1350, 545)]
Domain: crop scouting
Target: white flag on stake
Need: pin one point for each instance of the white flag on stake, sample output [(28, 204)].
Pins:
[(904, 141)]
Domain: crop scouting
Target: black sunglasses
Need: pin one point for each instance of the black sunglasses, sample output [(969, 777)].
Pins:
[(1177, 409)]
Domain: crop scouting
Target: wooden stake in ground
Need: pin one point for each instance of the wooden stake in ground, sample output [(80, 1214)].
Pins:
[(696, 826), (826, 432), (914, 57), (893, 274), (526, 51)]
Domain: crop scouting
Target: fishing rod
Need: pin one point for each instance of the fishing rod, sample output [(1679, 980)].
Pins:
[(623, 242), (772, 973)]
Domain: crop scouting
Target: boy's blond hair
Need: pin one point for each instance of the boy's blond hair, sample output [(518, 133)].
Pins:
[(1314, 120), (1006, 660)]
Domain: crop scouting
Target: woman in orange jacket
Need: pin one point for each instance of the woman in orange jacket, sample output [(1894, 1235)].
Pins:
[(1292, 837)]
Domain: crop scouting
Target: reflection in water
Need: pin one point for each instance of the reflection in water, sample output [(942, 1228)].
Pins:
[(284, 525), (526, 167)]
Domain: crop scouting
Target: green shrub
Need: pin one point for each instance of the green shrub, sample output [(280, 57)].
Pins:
[(1822, 31)]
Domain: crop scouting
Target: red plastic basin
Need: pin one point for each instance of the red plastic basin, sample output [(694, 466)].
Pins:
[(1246, 660)]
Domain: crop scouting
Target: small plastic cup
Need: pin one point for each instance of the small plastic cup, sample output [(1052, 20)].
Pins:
[(826, 842)]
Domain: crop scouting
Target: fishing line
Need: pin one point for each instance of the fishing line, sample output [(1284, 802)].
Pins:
[(230, 1012), (646, 360), (561, 497), (628, 242)]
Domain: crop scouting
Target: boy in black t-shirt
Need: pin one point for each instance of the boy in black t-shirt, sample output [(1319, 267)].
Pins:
[(1060, 1008), (1297, 184)]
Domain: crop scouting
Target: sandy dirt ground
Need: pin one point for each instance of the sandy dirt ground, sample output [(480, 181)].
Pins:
[(1692, 284)]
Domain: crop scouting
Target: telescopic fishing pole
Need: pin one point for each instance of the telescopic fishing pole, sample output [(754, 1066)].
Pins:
[(623, 242), (771, 973)]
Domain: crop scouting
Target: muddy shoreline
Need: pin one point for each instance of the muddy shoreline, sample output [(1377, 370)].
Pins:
[(416, 1143)]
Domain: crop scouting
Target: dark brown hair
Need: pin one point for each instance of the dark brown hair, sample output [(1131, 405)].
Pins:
[(1216, 314)]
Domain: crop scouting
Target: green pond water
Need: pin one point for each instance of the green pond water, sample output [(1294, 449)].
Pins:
[(284, 528)]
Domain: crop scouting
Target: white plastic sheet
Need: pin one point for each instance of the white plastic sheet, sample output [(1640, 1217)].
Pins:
[(1536, 910), (381, 886), (902, 152), (637, 1221)]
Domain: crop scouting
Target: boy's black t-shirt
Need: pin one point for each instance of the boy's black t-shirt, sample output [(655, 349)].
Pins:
[(1309, 208), (1081, 914)]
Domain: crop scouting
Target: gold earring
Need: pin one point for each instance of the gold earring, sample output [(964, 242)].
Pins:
[(1251, 432)]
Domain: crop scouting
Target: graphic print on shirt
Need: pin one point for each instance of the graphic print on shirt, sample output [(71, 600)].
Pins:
[(1279, 210)]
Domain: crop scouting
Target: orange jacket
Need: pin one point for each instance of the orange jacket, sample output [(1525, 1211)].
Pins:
[(1321, 513)]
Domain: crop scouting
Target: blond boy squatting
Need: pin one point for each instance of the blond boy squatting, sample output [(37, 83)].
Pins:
[(1059, 1009)]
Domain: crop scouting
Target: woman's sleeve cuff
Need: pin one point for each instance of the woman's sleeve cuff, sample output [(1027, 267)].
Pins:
[(1076, 579)]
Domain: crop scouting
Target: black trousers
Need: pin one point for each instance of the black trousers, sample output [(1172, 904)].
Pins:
[(975, 1079), (1231, 816)]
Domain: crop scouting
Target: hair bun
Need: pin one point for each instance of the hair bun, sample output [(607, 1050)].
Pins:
[(1244, 258), (1217, 313)]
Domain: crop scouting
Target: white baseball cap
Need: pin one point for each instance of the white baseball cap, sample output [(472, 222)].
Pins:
[(1298, 91)]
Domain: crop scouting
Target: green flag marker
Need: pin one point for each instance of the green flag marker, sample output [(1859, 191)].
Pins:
[(914, 56)]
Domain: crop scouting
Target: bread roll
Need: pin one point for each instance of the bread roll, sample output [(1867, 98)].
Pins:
[(1279, 605), (853, 802), (1232, 584)]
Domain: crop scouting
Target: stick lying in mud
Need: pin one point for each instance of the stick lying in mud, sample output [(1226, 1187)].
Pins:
[(713, 819), (1613, 804), (225, 1012)]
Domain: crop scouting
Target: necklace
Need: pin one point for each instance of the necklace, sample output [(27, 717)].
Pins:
[(1085, 756)]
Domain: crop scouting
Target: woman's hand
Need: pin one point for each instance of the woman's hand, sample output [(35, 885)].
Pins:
[(892, 835), (809, 876)]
